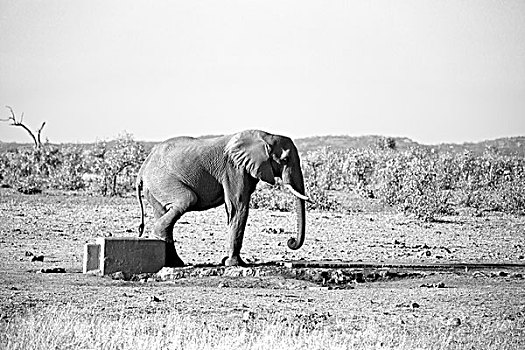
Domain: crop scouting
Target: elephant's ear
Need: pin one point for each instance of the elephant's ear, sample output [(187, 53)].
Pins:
[(248, 150)]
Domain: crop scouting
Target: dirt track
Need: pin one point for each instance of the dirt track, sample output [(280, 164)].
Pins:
[(58, 226)]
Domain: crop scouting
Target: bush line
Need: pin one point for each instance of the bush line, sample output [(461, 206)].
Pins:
[(418, 181)]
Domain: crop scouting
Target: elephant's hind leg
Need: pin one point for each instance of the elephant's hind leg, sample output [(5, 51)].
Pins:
[(158, 209), (164, 226)]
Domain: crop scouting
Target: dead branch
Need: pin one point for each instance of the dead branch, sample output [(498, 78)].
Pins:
[(40, 132), (15, 122)]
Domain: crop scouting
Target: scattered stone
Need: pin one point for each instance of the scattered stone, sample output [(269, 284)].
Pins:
[(425, 253), (433, 285), (141, 277), (272, 230), (29, 254), (478, 274), (211, 272), (155, 299), (170, 273), (453, 322), (53, 270), (37, 258), (119, 275), (248, 316), (318, 288), (248, 272), (234, 271)]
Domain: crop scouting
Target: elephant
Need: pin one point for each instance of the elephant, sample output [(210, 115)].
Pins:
[(185, 174)]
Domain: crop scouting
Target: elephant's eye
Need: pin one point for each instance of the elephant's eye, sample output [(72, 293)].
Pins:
[(285, 156)]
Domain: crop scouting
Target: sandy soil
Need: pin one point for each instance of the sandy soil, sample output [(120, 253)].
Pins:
[(57, 226)]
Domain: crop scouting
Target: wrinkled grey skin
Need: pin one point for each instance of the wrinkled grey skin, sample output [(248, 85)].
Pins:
[(186, 174)]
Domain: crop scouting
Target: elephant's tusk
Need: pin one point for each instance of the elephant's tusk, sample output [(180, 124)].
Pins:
[(297, 194)]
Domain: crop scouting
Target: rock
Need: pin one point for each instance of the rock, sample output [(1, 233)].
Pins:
[(426, 253), (415, 305), (453, 322), (272, 230), (141, 277), (37, 258), (234, 271), (248, 316), (248, 272), (318, 288), (119, 275), (29, 254), (434, 285), (155, 299), (170, 273), (208, 272), (446, 250), (53, 270)]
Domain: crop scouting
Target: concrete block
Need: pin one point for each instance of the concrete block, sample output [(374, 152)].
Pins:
[(131, 255), (91, 257)]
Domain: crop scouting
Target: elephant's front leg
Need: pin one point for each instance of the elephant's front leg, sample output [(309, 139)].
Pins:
[(237, 217)]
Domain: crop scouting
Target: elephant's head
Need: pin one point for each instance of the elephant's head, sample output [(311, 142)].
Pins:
[(265, 157)]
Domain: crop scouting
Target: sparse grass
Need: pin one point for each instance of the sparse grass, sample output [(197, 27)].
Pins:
[(56, 328)]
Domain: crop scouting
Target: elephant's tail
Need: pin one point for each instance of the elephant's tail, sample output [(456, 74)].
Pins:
[(138, 188)]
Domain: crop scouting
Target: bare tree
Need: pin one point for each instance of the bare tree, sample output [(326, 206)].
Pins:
[(20, 122)]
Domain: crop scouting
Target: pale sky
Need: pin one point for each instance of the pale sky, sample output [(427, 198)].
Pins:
[(433, 71)]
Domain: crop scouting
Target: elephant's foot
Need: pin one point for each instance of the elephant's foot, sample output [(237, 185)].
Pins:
[(172, 258), (174, 262), (233, 261)]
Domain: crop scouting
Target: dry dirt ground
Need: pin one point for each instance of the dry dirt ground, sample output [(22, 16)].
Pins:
[(56, 226)]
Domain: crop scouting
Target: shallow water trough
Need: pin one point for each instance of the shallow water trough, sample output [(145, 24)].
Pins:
[(131, 255)]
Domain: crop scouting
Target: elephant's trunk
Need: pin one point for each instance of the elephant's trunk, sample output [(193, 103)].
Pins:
[(295, 184), (296, 242)]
